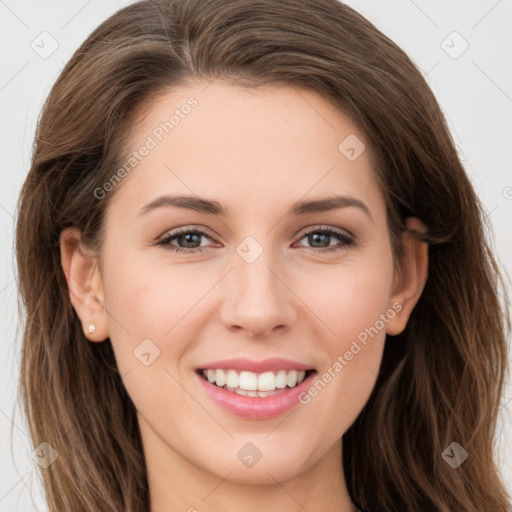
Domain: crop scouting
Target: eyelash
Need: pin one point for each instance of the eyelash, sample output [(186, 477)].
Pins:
[(346, 239)]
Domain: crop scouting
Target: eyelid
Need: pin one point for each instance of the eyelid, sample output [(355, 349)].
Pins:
[(186, 229), (326, 227)]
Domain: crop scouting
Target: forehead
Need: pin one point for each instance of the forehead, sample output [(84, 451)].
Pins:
[(256, 147)]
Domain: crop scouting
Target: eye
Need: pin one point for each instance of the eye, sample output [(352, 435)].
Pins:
[(322, 235), (189, 240)]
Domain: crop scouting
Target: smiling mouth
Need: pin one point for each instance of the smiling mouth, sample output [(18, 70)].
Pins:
[(252, 384)]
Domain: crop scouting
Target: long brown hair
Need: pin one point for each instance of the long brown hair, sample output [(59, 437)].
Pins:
[(441, 379)]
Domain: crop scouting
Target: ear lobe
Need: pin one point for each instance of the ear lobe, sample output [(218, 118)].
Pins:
[(411, 277), (84, 284)]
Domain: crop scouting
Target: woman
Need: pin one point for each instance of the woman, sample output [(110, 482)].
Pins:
[(196, 347)]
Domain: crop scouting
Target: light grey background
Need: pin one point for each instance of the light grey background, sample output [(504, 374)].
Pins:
[(474, 88)]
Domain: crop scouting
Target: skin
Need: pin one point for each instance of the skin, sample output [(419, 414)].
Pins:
[(257, 151)]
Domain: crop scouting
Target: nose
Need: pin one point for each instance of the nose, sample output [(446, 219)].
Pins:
[(258, 300)]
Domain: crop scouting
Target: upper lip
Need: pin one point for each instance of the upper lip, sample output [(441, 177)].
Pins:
[(240, 364)]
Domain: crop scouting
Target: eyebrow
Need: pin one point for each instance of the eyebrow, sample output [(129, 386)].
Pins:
[(213, 207)]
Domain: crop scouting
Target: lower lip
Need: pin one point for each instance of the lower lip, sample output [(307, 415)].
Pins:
[(256, 408)]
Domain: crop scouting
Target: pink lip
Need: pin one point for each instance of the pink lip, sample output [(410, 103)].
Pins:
[(256, 408), (273, 364)]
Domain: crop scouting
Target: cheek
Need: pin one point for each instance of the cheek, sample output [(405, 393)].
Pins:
[(147, 300), (354, 305), (142, 305), (149, 315), (350, 298)]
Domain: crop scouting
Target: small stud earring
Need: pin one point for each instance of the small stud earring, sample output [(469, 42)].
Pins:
[(92, 328)]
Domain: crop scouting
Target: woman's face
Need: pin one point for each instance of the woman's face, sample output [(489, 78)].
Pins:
[(262, 296)]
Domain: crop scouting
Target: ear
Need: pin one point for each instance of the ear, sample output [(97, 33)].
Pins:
[(410, 279), (84, 284)]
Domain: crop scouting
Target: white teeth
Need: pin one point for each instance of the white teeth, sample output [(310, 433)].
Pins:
[(219, 377), (281, 379), (232, 379), (267, 393), (266, 381), (291, 378), (248, 381), (253, 384)]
